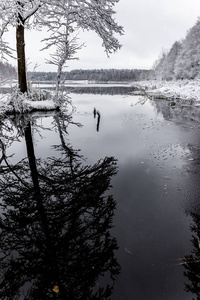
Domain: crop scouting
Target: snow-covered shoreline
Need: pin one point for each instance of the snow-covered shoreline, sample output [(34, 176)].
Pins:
[(181, 89), (7, 106), (186, 90)]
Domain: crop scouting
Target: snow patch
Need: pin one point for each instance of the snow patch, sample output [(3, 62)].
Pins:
[(181, 89), (41, 105)]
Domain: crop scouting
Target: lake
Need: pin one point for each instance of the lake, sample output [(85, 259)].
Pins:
[(106, 206)]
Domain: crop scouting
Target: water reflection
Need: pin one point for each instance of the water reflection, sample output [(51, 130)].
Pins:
[(191, 262), (104, 89), (186, 114), (182, 112), (55, 223), (98, 89)]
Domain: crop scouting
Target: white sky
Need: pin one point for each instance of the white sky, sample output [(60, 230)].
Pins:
[(149, 25)]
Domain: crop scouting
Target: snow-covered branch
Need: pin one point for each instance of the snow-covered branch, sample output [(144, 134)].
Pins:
[(32, 11)]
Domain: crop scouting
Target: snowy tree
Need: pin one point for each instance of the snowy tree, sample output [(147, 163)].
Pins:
[(188, 61), (170, 60), (62, 19), (158, 65)]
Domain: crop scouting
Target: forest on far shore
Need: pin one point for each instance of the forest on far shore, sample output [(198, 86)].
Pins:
[(97, 75), (7, 71)]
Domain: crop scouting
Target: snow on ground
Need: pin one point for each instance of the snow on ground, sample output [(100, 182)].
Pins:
[(181, 89)]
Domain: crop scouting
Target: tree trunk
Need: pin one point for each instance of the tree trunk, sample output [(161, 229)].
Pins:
[(21, 58), (35, 180)]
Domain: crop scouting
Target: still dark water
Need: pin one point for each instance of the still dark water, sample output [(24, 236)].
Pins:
[(67, 234)]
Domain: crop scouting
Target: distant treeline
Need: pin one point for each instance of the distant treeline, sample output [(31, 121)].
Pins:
[(98, 75), (7, 71)]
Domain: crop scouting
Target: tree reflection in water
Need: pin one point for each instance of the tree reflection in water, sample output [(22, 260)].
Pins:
[(55, 223), (191, 262)]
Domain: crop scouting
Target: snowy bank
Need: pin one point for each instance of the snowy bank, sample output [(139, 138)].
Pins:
[(181, 89), (16, 102), (26, 105)]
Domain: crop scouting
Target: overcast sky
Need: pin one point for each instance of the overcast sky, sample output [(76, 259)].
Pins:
[(149, 27)]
